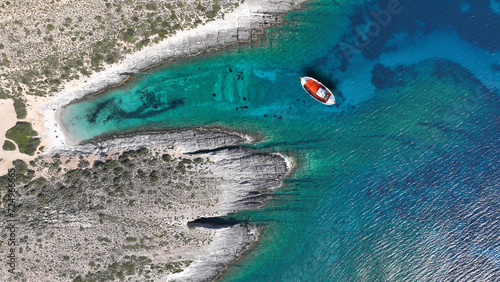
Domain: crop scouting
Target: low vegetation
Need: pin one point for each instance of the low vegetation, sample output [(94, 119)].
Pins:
[(120, 218), (8, 146), (20, 109), (23, 134), (46, 43)]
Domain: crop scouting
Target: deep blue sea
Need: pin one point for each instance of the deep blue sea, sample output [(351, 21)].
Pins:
[(400, 182)]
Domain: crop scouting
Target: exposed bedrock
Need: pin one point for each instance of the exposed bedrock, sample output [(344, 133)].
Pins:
[(246, 176), (183, 140), (227, 245), (246, 179)]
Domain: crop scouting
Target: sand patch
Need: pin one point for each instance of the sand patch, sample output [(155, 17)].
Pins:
[(9, 119)]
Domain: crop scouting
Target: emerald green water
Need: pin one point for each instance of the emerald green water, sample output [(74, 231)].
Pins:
[(390, 185)]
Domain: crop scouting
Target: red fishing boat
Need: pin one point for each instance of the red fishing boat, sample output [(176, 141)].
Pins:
[(317, 90)]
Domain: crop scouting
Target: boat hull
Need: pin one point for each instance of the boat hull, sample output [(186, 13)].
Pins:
[(317, 90)]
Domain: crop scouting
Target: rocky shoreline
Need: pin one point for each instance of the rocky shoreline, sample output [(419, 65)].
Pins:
[(183, 140), (244, 24), (254, 174), (128, 203), (226, 247), (245, 179)]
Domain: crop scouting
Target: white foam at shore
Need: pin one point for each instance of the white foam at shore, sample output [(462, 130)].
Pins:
[(288, 161)]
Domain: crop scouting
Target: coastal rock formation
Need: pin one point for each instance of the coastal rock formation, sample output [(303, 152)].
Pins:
[(126, 214), (227, 244), (184, 140), (252, 176)]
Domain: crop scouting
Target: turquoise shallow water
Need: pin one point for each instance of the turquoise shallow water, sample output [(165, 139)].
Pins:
[(397, 183)]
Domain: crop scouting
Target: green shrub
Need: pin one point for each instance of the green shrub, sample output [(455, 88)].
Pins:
[(20, 108), (181, 168), (8, 146), (22, 133), (214, 11), (141, 174), (118, 170), (151, 6), (21, 166), (67, 21), (83, 163), (166, 157), (109, 164), (153, 176), (142, 43), (128, 35), (104, 239), (142, 152), (96, 60), (112, 57), (201, 8)]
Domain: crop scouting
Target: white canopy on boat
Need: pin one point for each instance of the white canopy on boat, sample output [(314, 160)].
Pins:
[(322, 93)]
